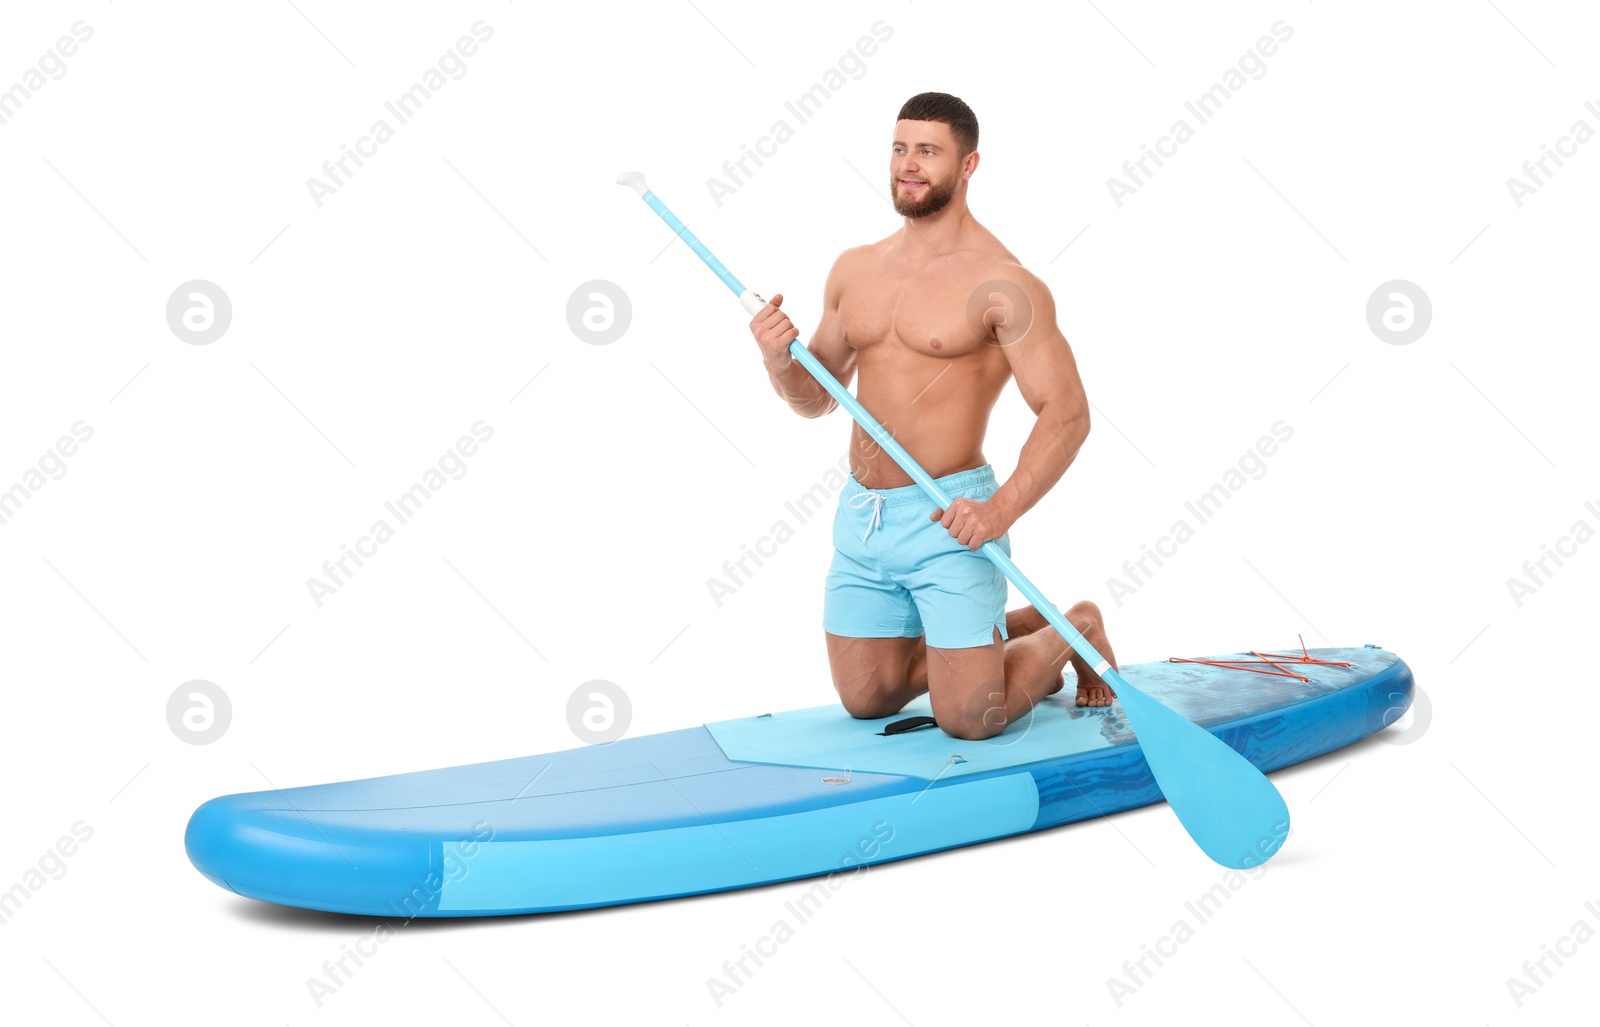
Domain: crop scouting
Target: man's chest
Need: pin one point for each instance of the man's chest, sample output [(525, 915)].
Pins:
[(935, 315)]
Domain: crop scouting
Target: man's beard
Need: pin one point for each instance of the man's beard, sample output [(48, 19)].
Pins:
[(936, 197)]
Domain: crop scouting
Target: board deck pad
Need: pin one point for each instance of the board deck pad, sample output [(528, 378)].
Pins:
[(828, 737), (749, 801)]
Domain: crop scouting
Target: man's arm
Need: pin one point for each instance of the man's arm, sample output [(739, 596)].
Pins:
[(1047, 376), (773, 332)]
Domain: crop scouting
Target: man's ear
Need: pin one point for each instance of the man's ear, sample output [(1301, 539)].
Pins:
[(970, 165)]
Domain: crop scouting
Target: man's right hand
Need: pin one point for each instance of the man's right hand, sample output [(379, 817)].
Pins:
[(774, 331)]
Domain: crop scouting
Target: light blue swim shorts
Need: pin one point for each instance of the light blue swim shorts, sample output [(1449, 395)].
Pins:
[(896, 572)]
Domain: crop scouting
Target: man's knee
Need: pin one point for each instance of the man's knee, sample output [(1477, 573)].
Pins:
[(972, 723), (868, 706), (971, 730), (1084, 616)]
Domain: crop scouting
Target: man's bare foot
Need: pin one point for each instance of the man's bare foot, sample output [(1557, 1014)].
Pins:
[(1092, 689), (1095, 693)]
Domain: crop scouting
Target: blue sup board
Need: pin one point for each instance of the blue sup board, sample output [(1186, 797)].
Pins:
[(752, 801)]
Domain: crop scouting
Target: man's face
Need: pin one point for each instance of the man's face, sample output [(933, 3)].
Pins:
[(924, 169)]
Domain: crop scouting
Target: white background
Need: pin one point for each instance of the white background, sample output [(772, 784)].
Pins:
[(368, 334)]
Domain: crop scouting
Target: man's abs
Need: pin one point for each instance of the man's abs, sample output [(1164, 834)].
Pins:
[(923, 370)]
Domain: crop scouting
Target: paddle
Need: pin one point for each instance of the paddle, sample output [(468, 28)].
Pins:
[(1228, 807)]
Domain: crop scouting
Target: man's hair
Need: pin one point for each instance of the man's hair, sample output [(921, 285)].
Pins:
[(947, 109)]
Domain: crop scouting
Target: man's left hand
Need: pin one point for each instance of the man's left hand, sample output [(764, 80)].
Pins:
[(972, 522)]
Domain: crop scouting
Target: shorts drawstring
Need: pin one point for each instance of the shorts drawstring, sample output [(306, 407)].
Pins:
[(877, 510)]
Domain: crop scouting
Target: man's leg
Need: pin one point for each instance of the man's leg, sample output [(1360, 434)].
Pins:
[(1086, 617), (872, 675), (1024, 620), (979, 692), (876, 677)]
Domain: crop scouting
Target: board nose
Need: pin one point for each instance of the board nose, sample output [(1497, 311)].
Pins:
[(251, 846)]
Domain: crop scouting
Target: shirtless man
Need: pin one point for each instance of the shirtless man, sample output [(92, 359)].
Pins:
[(936, 318)]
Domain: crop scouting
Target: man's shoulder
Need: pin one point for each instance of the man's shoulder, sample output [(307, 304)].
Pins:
[(865, 252), (856, 262), (1001, 265), (988, 263)]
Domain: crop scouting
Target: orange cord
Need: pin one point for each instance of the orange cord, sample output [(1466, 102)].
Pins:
[(1262, 661)]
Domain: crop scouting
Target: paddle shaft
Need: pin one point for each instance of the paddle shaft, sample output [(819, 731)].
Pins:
[(1226, 804), (752, 303)]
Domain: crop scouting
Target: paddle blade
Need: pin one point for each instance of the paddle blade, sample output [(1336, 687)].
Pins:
[(1228, 806)]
